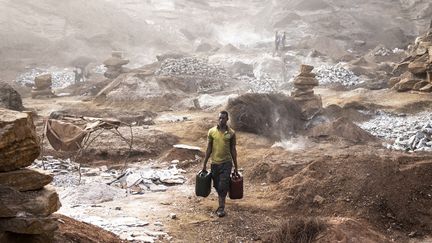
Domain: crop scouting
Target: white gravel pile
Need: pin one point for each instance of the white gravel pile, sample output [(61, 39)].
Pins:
[(382, 51), (91, 193), (192, 66), (336, 74), (406, 132), (61, 78), (263, 85)]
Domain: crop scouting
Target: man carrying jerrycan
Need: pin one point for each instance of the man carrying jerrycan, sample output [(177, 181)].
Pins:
[(222, 148)]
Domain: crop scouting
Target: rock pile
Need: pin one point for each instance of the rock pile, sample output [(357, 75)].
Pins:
[(10, 98), (61, 78), (191, 66), (26, 203), (303, 93), (420, 141), (408, 133), (42, 86), (114, 65), (208, 77), (415, 71), (337, 74)]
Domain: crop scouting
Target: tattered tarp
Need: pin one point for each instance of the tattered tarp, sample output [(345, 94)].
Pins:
[(64, 136)]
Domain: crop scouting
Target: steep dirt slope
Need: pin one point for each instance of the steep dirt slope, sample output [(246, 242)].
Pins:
[(333, 26)]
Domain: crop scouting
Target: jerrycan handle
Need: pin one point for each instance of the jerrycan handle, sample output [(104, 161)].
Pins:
[(235, 175)]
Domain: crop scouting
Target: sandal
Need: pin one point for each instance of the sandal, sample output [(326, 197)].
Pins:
[(220, 212)]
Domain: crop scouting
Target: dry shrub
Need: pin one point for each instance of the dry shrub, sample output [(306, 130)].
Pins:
[(273, 115), (297, 230)]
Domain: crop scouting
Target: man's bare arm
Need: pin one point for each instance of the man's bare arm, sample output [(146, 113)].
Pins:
[(234, 152), (208, 153)]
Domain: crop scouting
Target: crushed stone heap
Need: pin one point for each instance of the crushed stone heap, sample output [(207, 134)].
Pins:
[(42, 86), (114, 65), (26, 203), (207, 76), (415, 71), (303, 92)]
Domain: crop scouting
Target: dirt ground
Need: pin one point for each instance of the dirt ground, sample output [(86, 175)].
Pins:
[(280, 184)]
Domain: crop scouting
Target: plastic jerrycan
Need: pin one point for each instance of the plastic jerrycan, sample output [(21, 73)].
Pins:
[(236, 186), (203, 183)]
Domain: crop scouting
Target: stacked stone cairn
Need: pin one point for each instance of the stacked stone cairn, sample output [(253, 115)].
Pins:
[(114, 65), (26, 203), (303, 92), (415, 72), (42, 86)]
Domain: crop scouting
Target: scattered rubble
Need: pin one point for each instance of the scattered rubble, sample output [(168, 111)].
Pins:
[(101, 185), (134, 180)]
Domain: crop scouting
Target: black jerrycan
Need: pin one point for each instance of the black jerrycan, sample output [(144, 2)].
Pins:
[(203, 183), (236, 186)]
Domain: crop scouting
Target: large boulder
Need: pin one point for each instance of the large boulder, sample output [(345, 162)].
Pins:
[(417, 67), (19, 143), (406, 84), (10, 98), (37, 203), (25, 179), (43, 81), (272, 115)]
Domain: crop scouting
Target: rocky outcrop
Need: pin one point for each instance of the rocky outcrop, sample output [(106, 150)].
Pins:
[(303, 93), (26, 203), (19, 144), (415, 72)]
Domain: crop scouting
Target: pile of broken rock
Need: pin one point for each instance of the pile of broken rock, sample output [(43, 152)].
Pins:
[(26, 203)]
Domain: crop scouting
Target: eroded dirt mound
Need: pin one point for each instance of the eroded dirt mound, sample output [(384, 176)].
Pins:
[(10, 98), (393, 192), (271, 115), (342, 128), (71, 231), (334, 112)]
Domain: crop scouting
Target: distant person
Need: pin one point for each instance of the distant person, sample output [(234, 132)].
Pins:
[(283, 41), (79, 76), (277, 43), (221, 145)]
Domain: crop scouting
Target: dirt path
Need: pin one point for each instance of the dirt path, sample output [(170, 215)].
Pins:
[(149, 216)]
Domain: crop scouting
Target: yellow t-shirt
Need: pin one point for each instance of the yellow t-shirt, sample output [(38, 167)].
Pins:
[(221, 150)]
